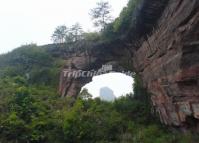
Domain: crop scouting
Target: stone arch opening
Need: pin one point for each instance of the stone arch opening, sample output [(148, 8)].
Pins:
[(114, 84), (76, 76)]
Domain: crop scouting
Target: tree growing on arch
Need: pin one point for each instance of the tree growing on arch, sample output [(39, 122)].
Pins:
[(101, 14), (74, 33), (63, 34), (59, 34)]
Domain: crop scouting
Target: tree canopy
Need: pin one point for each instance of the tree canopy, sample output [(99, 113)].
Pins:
[(63, 34), (101, 14)]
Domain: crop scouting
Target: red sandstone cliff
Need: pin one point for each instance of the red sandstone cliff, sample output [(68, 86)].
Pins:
[(167, 59), (168, 62)]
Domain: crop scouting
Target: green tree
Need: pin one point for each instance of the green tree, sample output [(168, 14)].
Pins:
[(63, 34), (126, 19), (59, 34), (101, 14), (91, 37), (85, 94), (23, 104), (76, 32)]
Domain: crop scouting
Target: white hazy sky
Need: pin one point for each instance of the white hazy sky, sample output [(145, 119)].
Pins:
[(33, 21), (118, 82)]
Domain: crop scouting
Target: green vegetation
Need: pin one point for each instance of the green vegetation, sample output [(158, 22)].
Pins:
[(33, 63), (36, 114), (101, 14), (33, 112), (126, 18), (63, 34), (121, 25)]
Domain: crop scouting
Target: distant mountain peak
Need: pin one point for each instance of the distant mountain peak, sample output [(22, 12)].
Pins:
[(107, 94)]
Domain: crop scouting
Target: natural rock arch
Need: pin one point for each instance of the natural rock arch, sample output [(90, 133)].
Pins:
[(93, 60), (163, 48)]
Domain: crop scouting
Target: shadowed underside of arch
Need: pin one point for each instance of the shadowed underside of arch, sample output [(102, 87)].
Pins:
[(162, 47)]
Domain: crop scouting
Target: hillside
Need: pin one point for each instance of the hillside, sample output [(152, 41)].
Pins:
[(39, 105), (32, 111)]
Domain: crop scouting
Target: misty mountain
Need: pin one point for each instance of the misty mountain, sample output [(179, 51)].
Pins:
[(107, 94)]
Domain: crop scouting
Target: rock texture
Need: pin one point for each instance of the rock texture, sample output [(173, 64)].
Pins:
[(168, 62), (165, 54)]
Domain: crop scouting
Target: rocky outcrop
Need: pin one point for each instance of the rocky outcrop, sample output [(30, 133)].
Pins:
[(163, 49), (168, 62)]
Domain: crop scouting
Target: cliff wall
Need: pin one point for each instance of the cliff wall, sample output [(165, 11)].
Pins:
[(163, 48)]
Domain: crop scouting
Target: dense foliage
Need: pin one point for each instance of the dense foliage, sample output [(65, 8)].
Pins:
[(33, 112), (101, 14), (121, 25), (37, 114), (34, 63), (63, 34)]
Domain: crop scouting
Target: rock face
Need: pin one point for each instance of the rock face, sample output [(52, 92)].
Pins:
[(167, 60)]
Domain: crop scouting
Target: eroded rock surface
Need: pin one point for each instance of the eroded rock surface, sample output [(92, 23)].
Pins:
[(168, 62)]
